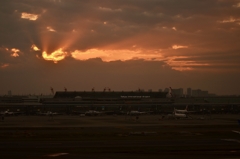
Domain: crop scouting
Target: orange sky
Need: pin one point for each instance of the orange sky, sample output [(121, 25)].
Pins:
[(187, 40)]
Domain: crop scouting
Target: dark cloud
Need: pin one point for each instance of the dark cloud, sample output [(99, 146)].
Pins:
[(209, 31)]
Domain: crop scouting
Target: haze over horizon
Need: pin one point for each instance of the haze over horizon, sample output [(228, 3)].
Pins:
[(120, 44)]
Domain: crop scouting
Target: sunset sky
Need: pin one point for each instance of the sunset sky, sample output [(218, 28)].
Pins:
[(119, 44)]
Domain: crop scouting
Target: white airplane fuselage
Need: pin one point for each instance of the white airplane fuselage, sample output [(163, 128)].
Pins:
[(181, 111), (92, 113), (180, 115), (7, 113), (135, 112)]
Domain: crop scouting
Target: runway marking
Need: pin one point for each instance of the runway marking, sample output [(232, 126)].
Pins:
[(233, 140), (236, 131), (57, 154)]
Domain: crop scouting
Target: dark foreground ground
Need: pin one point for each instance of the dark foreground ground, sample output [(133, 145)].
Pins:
[(106, 137)]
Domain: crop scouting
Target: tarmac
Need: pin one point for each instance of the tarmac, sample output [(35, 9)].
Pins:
[(120, 136)]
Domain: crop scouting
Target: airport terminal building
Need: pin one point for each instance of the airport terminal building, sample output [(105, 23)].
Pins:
[(112, 96), (70, 102)]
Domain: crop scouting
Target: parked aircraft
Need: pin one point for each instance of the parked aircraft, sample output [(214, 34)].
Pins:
[(92, 113), (49, 113), (7, 112), (177, 115), (183, 110), (135, 112)]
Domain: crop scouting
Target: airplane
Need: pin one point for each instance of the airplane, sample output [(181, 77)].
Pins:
[(49, 113), (177, 115), (135, 112), (183, 110), (7, 112), (92, 113)]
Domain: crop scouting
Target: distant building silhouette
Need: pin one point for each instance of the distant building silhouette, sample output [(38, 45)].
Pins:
[(198, 93), (166, 90), (189, 92), (10, 93), (178, 92)]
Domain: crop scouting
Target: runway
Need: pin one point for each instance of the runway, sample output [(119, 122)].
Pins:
[(119, 137)]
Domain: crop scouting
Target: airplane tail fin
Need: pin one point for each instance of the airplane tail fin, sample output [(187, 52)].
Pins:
[(171, 92), (174, 111)]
